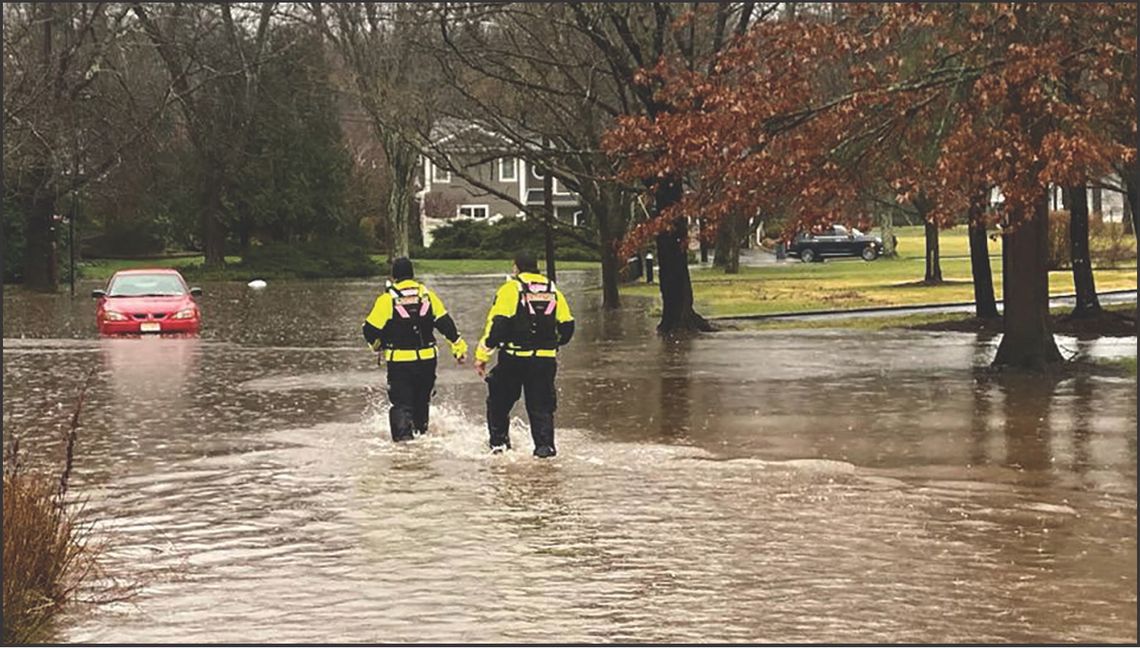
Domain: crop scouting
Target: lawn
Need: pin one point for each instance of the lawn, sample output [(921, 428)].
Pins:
[(954, 243), (883, 322), (852, 283)]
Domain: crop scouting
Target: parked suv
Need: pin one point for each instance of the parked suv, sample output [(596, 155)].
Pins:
[(835, 241)]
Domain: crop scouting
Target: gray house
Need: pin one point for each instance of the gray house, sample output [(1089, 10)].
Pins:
[(486, 156)]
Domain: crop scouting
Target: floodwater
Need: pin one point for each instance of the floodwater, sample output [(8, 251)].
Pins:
[(782, 486)]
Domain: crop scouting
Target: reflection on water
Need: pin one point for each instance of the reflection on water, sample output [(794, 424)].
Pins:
[(748, 486)]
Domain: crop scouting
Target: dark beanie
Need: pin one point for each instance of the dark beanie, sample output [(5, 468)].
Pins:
[(402, 269)]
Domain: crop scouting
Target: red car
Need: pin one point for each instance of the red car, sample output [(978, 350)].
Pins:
[(147, 301)]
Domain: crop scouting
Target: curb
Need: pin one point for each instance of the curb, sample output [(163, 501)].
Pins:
[(888, 309)]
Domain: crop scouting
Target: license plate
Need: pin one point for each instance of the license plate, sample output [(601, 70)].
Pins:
[(150, 327)]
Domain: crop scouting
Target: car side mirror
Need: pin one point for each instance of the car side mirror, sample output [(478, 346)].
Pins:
[(195, 292), (96, 294)]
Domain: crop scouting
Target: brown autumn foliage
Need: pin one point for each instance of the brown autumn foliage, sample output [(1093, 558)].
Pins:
[(806, 113)]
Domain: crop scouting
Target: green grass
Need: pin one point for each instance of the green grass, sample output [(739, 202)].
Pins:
[(952, 242), (884, 322), (1125, 365), (849, 284)]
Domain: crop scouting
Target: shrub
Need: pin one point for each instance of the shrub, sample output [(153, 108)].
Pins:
[(137, 237), (472, 239), (48, 555), (325, 258), (1059, 256), (1109, 245)]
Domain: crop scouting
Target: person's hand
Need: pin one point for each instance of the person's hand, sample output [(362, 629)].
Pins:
[(481, 368), (459, 351)]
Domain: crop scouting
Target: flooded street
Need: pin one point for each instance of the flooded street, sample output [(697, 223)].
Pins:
[(778, 486)]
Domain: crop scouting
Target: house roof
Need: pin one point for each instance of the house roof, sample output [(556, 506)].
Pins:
[(460, 135)]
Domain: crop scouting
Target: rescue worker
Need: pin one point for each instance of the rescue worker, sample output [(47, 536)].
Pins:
[(528, 321), (402, 328)]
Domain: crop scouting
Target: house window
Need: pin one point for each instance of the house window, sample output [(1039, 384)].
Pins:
[(439, 175), (507, 170), (472, 211)]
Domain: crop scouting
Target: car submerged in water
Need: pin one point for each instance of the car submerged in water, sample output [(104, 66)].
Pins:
[(147, 301), (835, 241)]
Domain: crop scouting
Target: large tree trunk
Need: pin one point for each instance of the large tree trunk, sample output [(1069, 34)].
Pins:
[(213, 233), (1027, 342), (985, 305), (677, 314), (933, 262), (41, 263), (403, 161), (1087, 303)]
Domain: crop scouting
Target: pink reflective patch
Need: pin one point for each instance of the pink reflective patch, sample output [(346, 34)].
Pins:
[(424, 308)]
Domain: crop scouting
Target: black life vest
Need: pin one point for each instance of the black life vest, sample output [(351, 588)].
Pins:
[(534, 325), (412, 320)]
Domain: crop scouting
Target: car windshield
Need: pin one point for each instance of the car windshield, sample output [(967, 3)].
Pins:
[(146, 285), (839, 230), (856, 232)]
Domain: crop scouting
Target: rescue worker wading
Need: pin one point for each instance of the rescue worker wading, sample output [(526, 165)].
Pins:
[(402, 328), (529, 320)]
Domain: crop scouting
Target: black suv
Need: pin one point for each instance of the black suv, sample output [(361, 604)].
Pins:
[(836, 241)]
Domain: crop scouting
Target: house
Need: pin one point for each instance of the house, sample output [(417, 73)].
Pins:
[(493, 162)]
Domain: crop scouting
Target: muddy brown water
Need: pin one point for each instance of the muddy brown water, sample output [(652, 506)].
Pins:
[(784, 486)]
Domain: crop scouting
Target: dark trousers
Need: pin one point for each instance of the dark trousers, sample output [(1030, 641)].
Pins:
[(535, 378), (410, 385)]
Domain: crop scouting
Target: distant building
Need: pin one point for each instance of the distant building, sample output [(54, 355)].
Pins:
[(486, 156)]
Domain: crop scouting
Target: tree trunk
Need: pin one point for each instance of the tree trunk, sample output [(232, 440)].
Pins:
[(985, 305), (727, 253), (887, 231), (415, 224), (1097, 200), (1027, 342), (548, 215), (41, 263), (608, 213), (611, 266), (213, 234), (1087, 303), (403, 161), (705, 245), (1129, 207), (933, 263), (677, 314)]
